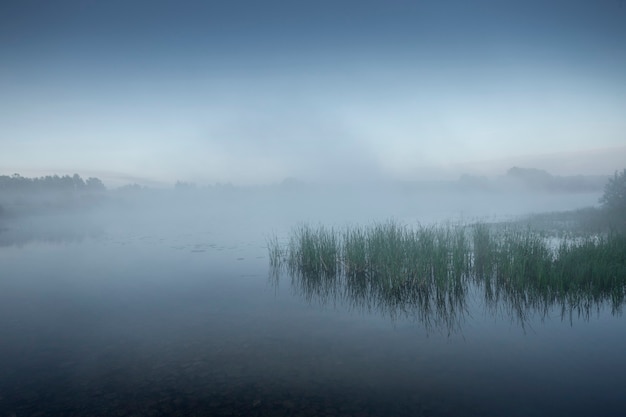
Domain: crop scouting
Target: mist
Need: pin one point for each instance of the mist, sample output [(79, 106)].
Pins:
[(68, 207), (312, 208), (214, 93)]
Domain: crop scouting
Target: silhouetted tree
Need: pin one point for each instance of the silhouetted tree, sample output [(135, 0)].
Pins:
[(614, 197), (184, 186), (94, 184), (78, 182), (49, 183)]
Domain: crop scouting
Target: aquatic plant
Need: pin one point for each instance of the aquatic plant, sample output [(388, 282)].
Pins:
[(426, 271), (276, 255), (314, 250)]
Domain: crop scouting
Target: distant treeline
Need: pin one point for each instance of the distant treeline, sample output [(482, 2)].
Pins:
[(50, 183), (516, 178), (52, 193), (532, 179), (540, 179)]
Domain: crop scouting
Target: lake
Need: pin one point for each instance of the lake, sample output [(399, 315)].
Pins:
[(156, 316)]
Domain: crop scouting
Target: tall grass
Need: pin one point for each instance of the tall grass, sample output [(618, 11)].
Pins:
[(427, 271), (523, 269), (314, 251)]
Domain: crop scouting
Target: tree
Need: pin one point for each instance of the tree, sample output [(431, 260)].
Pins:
[(78, 183), (614, 197), (94, 184)]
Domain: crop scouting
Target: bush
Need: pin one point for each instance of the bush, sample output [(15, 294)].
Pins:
[(614, 197)]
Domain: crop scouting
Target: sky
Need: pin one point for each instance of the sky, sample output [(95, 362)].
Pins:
[(253, 92)]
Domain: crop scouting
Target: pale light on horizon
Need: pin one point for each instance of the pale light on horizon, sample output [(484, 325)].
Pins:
[(268, 101)]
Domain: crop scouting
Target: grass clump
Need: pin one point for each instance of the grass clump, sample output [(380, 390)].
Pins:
[(428, 270), (314, 251)]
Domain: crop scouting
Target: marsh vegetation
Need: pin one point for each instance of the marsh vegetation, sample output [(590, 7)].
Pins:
[(432, 272)]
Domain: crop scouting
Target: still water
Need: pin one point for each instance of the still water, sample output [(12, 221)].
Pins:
[(142, 320)]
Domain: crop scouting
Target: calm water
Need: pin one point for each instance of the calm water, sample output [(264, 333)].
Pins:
[(140, 320)]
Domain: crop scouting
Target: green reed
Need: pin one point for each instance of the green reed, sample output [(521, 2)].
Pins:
[(521, 268), (314, 250), (426, 271), (276, 252)]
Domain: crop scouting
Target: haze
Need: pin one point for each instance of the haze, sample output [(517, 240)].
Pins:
[(255, 92), (279, 208)]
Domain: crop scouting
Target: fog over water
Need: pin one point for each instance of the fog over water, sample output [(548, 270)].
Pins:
[(161, 302), (254, 212), (158, 160)]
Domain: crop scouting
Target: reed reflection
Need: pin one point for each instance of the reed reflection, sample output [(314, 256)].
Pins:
[(434, 274)]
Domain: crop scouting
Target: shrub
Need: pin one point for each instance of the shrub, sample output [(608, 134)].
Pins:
[(614, 197)]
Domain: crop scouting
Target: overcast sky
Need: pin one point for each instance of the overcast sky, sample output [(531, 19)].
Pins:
[(257, 91)]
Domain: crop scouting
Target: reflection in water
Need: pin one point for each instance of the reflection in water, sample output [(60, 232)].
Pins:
[(19, 235), (434, 274), (136, 323), (435, 307)]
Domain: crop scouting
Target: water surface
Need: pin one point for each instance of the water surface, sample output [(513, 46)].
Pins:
[(145, 319)]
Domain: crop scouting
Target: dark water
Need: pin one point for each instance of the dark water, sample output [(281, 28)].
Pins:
[(137, 322)]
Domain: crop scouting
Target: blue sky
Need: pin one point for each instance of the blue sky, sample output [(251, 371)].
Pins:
[(253, 92)]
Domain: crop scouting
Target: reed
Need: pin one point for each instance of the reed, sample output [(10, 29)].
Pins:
[(428, 270), (275, 250), (314, 250)]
